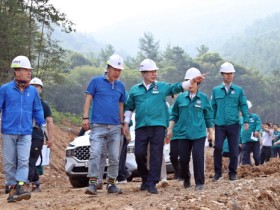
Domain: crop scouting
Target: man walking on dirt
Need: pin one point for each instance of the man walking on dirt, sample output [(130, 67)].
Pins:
[(148, 100), (227, 100), (107, 94), (20, 103), (38, 139)]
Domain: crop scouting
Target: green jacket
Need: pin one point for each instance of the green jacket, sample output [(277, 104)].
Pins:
[(226, 106), (254, 126), (192, 117), (150, 105), (277, 135)]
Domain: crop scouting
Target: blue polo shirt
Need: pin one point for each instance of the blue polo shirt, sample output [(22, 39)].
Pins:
[(106, 97)]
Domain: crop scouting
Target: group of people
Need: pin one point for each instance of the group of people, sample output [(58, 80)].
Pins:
[(107, 113), (192, 118), (26, 120), (260, 140)]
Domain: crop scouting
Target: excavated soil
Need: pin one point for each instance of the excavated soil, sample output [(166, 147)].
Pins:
[(256, 188)]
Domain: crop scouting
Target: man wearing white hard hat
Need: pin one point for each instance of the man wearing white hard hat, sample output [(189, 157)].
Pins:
[(20, 103), (38, 139), (107, 94), (193, 114), (227, 100), (148, 100), (251, 138)]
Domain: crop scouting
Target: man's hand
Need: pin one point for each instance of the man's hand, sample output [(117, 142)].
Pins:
[(125, 130), (168, 136), (246, 126), (45, 133), (211, 136), (256, 134), (199, 78), (276, 143), (85, 124), (210, 142), (49, 143)]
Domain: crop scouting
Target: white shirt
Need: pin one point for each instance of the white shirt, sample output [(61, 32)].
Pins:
[(267, 138), (227, 87)]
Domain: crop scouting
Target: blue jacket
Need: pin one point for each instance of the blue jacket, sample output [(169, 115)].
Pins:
[(19, 108)]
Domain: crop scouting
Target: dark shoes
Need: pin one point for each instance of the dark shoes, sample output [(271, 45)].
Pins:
[(199, 187), (18, 193), (91, 189), (232, 177), (143, 187), (187, 183), (152, 190), (112, 188), (216, 177)]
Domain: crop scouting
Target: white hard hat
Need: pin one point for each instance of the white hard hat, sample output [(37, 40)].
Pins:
[(249, 104), (21, 62), (192, 73), (148, 65), (227, 68), (36, 81), (116, 61)]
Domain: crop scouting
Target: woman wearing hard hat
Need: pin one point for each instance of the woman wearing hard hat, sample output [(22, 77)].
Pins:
[(227, 100), (148, 99), (192, 114)]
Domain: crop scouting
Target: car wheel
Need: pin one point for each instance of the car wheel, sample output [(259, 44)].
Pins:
[(78, 181)]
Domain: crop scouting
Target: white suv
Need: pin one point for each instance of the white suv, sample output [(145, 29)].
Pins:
[(77, 155), (76, 160)]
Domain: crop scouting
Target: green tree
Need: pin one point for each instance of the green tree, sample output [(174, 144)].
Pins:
[(176, 62), (77, 59), (26, 30), (202, 50), (149, 48), (105, 54)]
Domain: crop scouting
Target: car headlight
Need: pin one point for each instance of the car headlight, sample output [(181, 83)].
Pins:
[(70, 153)]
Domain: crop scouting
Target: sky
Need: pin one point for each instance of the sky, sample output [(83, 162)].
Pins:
[(97, 15), (179, 22), (93, 16)]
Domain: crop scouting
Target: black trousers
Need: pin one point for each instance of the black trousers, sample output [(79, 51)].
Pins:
[(155, 136), (231, 132), (35, 151), (123, 172), (252, 147), (196, 148), (174, 157), (265, 154)]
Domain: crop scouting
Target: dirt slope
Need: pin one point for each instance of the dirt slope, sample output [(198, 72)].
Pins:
[(257, 188)]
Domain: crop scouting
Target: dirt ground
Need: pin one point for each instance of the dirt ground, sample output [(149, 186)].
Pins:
[(256, 188)]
